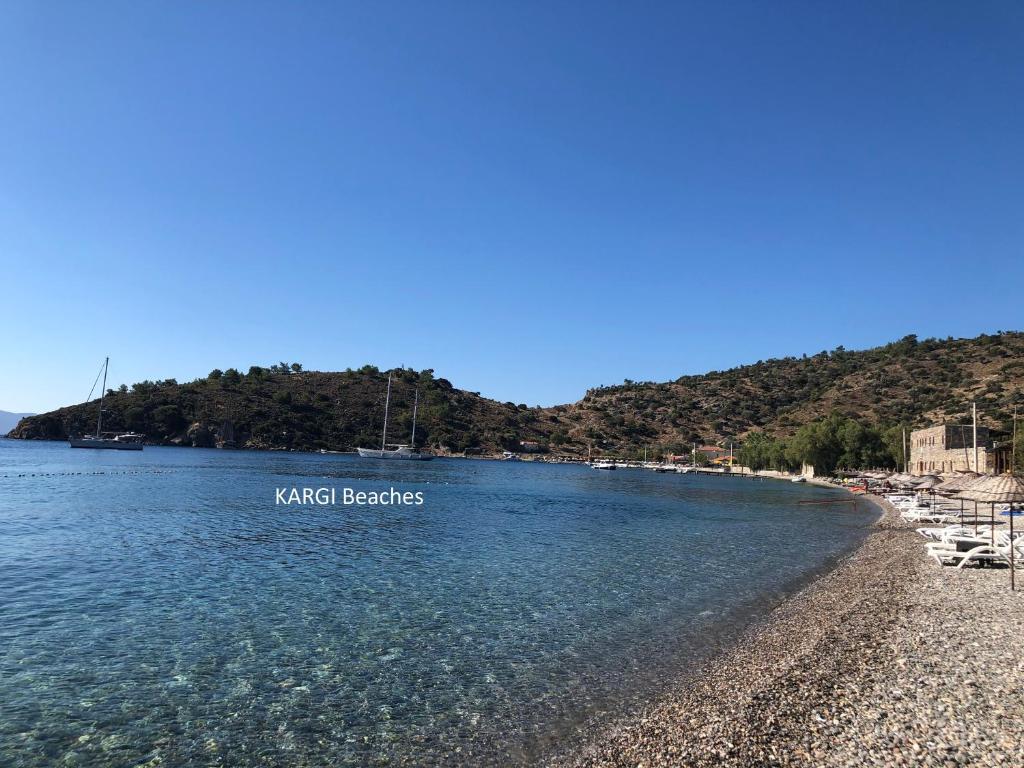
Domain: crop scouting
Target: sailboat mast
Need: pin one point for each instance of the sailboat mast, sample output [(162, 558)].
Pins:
[(415, 407), (103, 393), (387, 404)]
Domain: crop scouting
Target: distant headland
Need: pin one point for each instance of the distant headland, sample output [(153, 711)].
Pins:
[(909, 382)]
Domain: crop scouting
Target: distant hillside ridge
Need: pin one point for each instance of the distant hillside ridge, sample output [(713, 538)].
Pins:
[(9, 420), (286, 408), (909, 382)]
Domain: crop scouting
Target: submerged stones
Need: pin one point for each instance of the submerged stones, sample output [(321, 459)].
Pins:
[(886, 661)]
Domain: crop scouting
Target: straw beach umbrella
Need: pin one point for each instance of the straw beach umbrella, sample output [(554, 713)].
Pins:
[(965, 493), (901, 479), (928, 483), (999, 489), (954, 485), (957, 482)]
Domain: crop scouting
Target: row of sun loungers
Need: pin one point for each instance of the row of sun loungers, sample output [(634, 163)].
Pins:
[(950, 542)]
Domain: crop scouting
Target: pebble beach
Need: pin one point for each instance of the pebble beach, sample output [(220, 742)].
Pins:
[(887, 660)]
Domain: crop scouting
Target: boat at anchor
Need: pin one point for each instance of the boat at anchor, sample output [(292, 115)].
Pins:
[(395, 450), (124, 441)]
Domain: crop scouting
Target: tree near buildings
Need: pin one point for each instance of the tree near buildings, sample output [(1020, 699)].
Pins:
[(761, 451)]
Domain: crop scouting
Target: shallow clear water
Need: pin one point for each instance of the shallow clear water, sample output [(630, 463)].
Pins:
[(168, 610)]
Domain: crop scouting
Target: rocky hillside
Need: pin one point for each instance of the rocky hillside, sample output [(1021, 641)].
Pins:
[(910, 382), (304, 410)]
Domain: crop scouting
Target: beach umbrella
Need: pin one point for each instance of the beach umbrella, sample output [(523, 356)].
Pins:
[(954, 485), (964, 493), (957, 482), (1012, 513), (999, 489), (928, 483), (901, 479)]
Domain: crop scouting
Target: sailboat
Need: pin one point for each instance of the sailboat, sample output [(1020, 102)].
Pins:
[(394, 450), (127, 441)]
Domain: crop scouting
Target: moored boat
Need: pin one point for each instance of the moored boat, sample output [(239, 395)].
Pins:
[(125, 441), (394, 450), (128, 441)]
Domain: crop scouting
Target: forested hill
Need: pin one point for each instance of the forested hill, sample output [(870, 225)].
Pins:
[(907, 382), (284, 407)]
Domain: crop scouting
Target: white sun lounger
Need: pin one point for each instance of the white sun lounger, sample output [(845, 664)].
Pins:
[(987, 552)]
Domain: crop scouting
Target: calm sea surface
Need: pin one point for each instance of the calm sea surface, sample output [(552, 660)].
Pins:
[(158, 606)]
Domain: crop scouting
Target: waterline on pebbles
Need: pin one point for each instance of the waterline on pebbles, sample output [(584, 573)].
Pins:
[(888, 660)]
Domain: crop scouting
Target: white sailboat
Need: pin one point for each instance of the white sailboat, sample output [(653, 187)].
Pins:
[(126, 441), (394, 450)]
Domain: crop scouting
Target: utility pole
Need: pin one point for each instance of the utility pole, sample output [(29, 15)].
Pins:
[(1013, 445), (974, 409)]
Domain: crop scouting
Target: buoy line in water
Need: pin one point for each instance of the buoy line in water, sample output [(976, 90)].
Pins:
[(92, 474)]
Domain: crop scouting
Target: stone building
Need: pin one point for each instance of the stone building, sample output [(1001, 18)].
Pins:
[(948, 448)]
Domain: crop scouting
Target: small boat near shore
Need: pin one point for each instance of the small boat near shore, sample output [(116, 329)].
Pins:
[(125, 441), (393, 451), (397, 451), (607, 465)]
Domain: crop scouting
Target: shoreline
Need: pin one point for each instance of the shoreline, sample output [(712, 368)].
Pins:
[(886, 659)]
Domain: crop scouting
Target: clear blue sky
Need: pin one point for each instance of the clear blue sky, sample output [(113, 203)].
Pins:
[(530, 198)]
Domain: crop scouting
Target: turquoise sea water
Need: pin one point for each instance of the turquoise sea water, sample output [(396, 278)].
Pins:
[(159, 607)]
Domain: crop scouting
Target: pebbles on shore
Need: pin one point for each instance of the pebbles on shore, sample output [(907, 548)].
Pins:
[(889, 660)]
